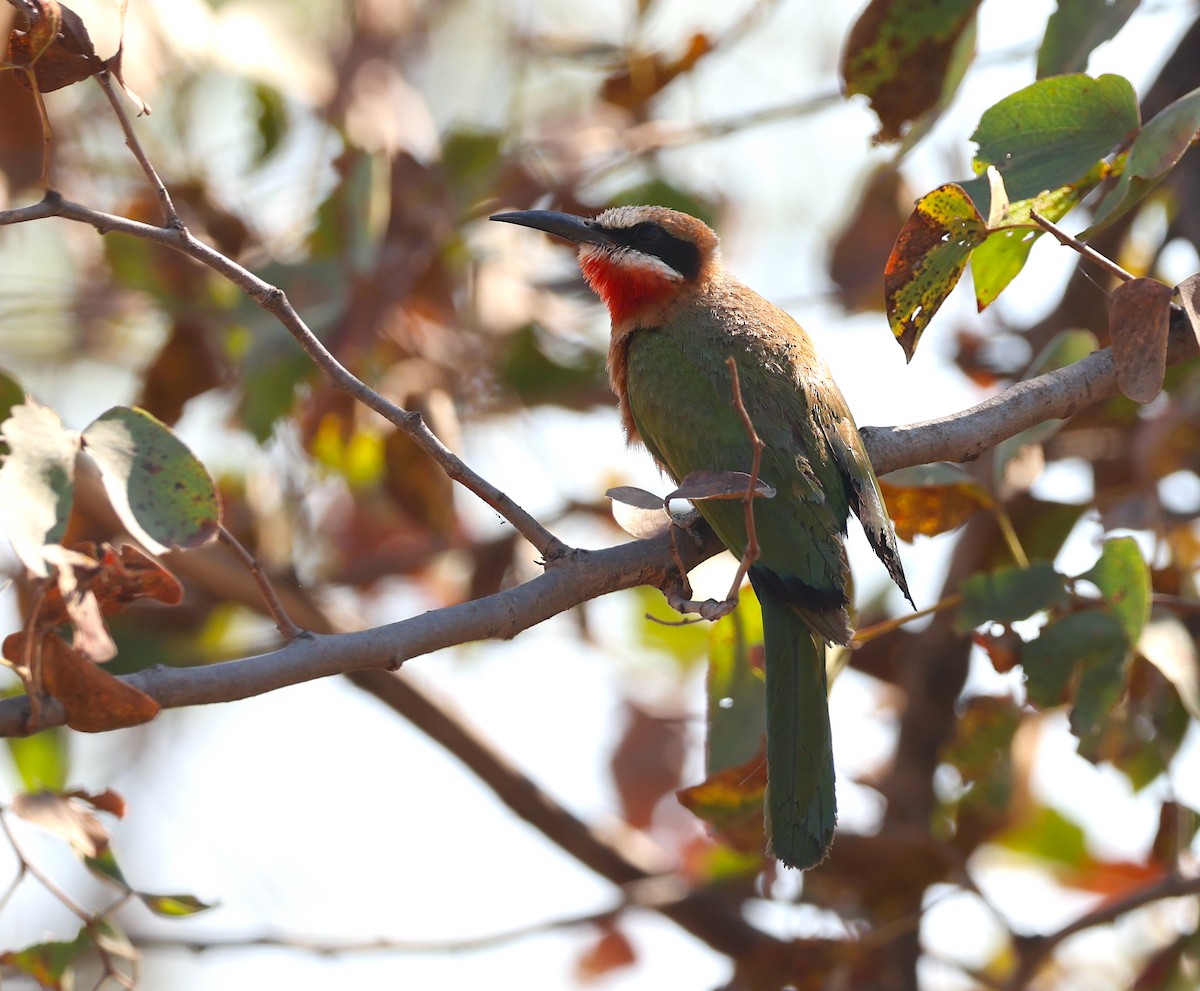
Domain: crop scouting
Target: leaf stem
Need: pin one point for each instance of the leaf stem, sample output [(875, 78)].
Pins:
[(1088, 252)]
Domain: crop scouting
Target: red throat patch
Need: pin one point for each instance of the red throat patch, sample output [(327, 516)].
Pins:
[(628, 290)]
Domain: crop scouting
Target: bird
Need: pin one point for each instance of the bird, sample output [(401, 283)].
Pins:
[(677, 316)]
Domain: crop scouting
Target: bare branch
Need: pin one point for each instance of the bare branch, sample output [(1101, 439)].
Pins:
[(1035, 951), (1056, 395), (275, 301), (583, 576)]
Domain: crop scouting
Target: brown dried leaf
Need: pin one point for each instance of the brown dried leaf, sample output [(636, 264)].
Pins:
[(94, 701), (862, 249), (103, 801), (72, 570), (641, 523), (1189, 295), (647, 762), (631, 495), (1139, 319), (645, 74), (116, 578), (610, 952), (731, 801), (56, 48), (639, 513), (700, 485), (66, 818)]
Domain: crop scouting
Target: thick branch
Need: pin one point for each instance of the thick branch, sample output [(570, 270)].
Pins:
[(1055, 395), (585, 575)]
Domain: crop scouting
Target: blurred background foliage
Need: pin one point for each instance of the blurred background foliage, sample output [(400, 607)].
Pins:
[(1008, 765)]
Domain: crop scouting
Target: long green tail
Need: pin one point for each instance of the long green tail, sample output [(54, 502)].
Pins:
[(801, 811)]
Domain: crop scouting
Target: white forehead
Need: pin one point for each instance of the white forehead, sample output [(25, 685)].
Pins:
[(622, 216)]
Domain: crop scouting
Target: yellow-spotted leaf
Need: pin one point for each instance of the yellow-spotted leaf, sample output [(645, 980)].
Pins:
[(901, 54), (928, 259), (173, 906), (731, 801), (931, 499)]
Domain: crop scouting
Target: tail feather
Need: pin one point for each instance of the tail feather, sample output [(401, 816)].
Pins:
[(801, 810)]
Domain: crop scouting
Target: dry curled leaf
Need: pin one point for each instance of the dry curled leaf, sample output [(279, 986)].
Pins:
[(1139, 318), (93, 700), (54, 47), (699, 485)]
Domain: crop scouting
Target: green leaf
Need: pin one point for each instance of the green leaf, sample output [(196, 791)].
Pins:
[(1156, 150), (1010, 594), (1124, 581), (163, 495), (11, 394), (42, 760), (686, 644), (1101, 679), (1091, 638), (1053, 132), (173, 906), (1075, 29), (104, 866), (996, 262), (37, 480), (928, 259), (47, 963), (270, 120), (1047, 834), (737, 706), (540, 368)]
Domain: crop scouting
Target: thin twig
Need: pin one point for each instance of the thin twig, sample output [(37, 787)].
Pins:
[(584, 576), (1011, 540), (283, 622), (170, 216), (33, 870), (750, 554), (869, 633), (334, 948), (275, 301), (1074, 243)]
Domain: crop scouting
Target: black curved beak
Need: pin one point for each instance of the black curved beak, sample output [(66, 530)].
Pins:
[(581, 230)]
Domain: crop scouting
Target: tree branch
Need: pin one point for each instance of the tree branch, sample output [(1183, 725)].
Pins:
[(585, 575), (1056, 395), (1035, 951), (275, 301)]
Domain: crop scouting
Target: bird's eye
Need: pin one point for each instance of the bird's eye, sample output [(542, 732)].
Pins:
[(647, 233)]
